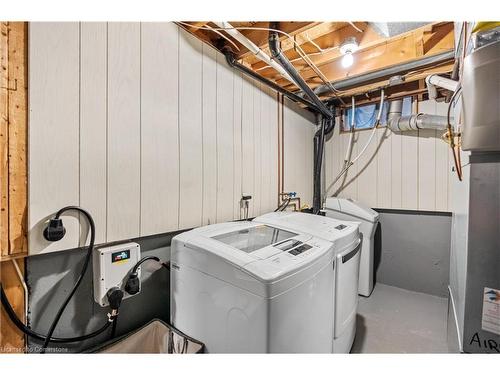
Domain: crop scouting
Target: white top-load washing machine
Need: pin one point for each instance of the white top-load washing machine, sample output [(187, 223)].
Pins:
[(347, 256), (348, 209), (247, 287)]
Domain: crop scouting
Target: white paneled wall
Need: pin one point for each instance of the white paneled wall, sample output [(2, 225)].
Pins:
[(151, 131), (299, 128), (410, 170)]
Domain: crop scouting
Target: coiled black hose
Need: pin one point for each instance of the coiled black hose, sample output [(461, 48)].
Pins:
[(57, 340)]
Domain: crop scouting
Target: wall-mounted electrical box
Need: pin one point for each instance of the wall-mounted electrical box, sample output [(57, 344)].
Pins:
[(111, 265)]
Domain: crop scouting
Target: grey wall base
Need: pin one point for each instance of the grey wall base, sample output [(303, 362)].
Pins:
[(412, 250)]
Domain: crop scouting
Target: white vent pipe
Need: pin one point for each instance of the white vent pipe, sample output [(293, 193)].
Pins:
[(397, 123), (252, 47), (434, 80)]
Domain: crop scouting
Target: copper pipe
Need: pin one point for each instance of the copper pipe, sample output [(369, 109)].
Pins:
[(280, 171)]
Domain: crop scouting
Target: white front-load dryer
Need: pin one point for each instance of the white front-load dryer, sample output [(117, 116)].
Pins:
[(246, 287), (346, 244)]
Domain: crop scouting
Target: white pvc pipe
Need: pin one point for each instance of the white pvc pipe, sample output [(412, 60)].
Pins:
[(434, 80), (252, 47), (348, 153)]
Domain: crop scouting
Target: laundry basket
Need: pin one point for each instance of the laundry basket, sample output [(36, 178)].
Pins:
[(155, 337)]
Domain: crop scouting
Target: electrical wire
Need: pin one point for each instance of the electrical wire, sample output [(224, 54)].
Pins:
[(138, 264), (348, 153), (320, 50), (226, 38), (298, 48), (455, 149), (82, 272), (355, 27), (57, 340), (351, 162)]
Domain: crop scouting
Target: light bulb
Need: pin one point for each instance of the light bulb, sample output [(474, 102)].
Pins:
[(347, 60)]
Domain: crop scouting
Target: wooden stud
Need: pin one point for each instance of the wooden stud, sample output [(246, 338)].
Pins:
[(4, 141), (260, 37), (396, 51), (375, 53), (13, 166), (18, 73)]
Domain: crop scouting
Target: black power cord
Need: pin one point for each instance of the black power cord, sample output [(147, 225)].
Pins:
[(57, 340), (54, 232), (133, 284), (115, 297)]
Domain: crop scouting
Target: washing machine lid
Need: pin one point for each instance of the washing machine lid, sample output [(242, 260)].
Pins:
[(241, 243), (353, 208), (339, 232), (232, 252)]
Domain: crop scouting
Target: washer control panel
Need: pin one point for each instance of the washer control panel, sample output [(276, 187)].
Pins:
[(300, 249)]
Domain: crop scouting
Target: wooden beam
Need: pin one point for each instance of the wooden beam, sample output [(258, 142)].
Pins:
[(205, 36), (13, 167), (18, 124), (375, 51), (260, 37), (312, 31), (329, 42), (4, 141), (390, 52)]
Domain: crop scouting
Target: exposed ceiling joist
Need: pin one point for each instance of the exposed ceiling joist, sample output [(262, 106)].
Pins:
[(320, 41)]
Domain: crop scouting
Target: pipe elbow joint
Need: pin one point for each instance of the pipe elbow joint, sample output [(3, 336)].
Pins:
[(274, 47), (229, 58)]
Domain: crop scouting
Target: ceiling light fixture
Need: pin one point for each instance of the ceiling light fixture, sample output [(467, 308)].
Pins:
[(347, 48)]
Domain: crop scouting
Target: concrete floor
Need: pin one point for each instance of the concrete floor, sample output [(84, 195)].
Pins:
[(394, 320)]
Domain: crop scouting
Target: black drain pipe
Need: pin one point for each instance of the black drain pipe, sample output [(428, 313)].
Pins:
[(327, 119), (278, 55), (327, 126), (242, 68)]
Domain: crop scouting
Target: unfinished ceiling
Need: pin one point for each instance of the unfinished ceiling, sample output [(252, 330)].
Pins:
[(380, 45)]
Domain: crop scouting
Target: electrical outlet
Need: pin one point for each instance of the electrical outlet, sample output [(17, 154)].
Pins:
[(111, 265)]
